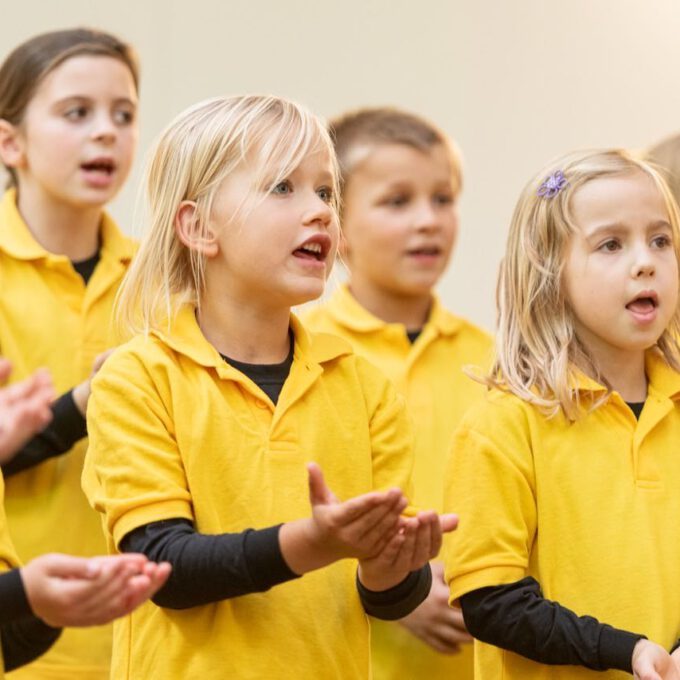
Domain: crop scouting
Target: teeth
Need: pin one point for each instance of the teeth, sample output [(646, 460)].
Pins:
[(312, 247)]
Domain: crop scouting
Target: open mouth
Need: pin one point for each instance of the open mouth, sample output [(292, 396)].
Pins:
[(313, 249), (103, 165), (643, 304)]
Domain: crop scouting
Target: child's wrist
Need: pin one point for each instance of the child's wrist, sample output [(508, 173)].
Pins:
[(303, 546), (378, 580)]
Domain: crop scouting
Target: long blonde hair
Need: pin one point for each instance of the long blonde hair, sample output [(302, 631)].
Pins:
[(190, 160), (538, 353)]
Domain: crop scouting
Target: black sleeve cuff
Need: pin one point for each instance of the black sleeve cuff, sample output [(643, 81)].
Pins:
[(15, 604), (400, 600), (68, 423), (616, 648), (675, 646), (264, 558)]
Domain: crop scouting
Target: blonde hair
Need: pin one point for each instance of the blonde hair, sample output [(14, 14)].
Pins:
[(362, 130), (192, 157), (538, 352)]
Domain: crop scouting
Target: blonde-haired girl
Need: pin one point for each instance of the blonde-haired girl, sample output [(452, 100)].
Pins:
[(202, 425), (567, 474)]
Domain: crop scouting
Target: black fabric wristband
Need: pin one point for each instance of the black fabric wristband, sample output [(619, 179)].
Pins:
[(15, 604), (398, 601), (25, 640), (616, 648), (67, 427), (675, 646)]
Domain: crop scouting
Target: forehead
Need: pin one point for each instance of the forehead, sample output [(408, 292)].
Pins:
[(87, 76), (618, 199), (402, 163)]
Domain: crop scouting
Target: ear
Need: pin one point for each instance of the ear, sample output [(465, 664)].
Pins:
[(11, 146), (190, 232)]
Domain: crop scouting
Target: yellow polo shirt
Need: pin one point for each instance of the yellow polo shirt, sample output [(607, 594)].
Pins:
[(429, 373), (48, 317), (177, 432), (589, 509), (8, 558)]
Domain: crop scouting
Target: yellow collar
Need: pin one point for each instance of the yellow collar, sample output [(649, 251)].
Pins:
[(345, 309), (18, 242), (662, 378), (185, 337)]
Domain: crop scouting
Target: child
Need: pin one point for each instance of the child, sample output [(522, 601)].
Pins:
[(68, 103), (55, 590), (568, 472), (401, 181), (201, 426)]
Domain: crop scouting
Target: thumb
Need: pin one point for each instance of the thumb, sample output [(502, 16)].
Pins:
[(67, 566), (319, 493)]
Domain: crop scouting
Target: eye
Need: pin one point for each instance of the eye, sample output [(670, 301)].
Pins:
[(123, 116), (397, 200), (610, 245), (444, 199), (283, 188), (76, 113), (662, 241), (325, 194)]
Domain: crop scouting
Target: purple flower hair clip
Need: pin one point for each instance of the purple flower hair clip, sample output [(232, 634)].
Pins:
[(552, 185)]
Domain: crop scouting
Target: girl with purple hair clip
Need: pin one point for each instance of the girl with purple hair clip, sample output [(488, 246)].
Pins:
[(566, 476)]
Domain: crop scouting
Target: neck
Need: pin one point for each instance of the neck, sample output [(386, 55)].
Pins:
[(411, 311), (243, 332), (625, 372), (61, 229)]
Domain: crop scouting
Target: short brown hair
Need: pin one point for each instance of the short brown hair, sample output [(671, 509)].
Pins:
[(27, 65), (388, 125)]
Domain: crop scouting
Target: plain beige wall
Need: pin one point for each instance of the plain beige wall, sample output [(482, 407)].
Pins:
[(516, 82)]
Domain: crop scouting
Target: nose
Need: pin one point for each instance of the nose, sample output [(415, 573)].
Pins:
[(643, 266), (426, 219), (318, 212), (104, 128)]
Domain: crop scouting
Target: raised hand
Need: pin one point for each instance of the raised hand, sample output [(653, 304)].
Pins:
[(417, 541), (360, 527)]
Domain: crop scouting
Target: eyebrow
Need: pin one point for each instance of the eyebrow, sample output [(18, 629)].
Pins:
[(618, 227), (85, 98)]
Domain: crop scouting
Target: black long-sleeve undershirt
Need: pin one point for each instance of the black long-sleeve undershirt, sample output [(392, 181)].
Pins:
[(23, 636), (518, 618), (67, 427), (208, 568)]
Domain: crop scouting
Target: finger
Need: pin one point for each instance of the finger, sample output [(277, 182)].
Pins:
[(144, 586), (448, 522), (351, 510), (372, 526), (5, 369), (69, 567), (319, 493), (434, 534)]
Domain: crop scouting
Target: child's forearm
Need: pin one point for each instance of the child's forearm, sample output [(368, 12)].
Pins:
[(209, 568), (518, 618)]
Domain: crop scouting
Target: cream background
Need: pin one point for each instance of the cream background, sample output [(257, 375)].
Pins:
[(516, 82)]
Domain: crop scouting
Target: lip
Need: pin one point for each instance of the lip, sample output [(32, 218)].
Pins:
[(102, 176), (644, 316), (323, 241), (425, 253)]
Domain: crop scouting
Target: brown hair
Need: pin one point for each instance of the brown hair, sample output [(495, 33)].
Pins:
[(369, 127), (27, 65)]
